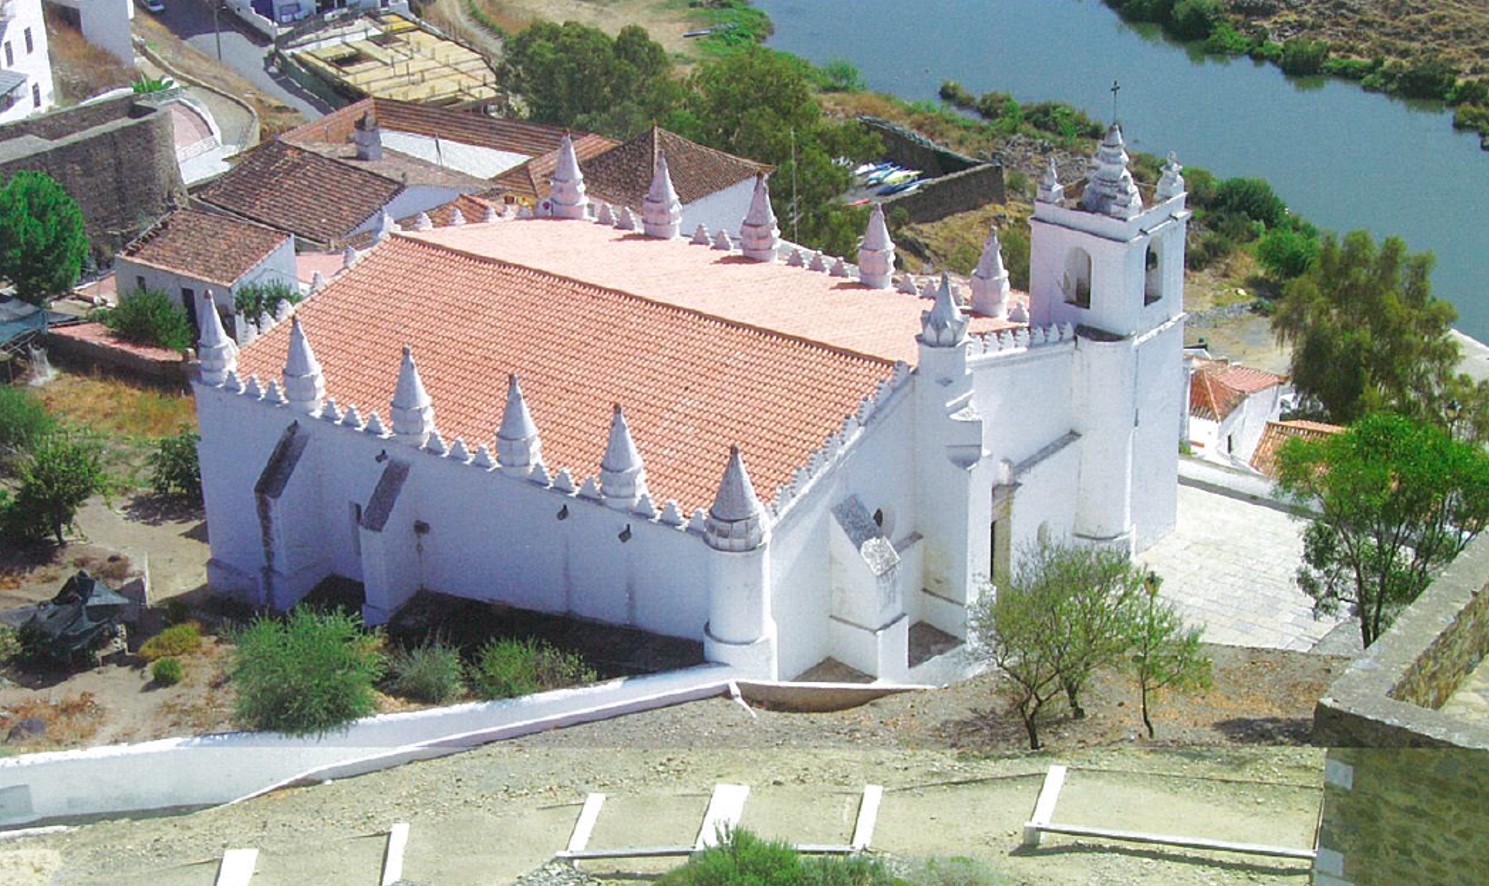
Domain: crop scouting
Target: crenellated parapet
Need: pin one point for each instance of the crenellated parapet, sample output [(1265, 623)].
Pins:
[(1022, 340)]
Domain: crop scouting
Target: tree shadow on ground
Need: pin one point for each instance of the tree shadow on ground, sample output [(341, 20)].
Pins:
[(1279, 868), (156, 510), (990, 728), (1267, 730)]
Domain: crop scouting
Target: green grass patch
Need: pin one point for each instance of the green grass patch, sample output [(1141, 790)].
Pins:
[(176, 640)]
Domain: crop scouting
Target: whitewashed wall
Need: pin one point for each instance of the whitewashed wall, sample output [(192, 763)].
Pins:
[(278, 265), (36, 64), (722, 210)]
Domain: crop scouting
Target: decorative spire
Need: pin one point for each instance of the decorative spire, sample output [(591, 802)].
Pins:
[(759, 233), (348, 256), (736, 520), (876, 255), (422, 222), (386, 227), (518, 448), (990, 279), (661, 211), (457, 218), (944, 325), (622, 475), (1110, 189), (413, 408), (1050, 189), (217, 352), (567, 195), (304, 383), (1171, 184)]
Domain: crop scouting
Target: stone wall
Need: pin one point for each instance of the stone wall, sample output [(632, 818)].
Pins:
[(954, 182), (1404, 782), (1394, 816), (116, 158)]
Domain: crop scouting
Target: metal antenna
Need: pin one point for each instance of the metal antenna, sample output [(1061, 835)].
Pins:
[(795, 209)]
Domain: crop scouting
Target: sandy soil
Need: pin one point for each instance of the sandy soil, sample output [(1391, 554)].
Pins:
[(665, 22), (491, 815)]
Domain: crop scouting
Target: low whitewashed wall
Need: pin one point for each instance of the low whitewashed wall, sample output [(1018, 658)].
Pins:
[(216, 769)]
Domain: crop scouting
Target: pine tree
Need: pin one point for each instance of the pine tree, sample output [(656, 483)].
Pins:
[(42, 242)]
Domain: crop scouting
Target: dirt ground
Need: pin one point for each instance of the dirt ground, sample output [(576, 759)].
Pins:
[(666, 22)]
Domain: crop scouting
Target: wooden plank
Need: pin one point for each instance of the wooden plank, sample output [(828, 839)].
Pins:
[(724, 809), (1044, 807), (236, 868), (868, 815), (1073, 830), (585, 825), (393, 854)]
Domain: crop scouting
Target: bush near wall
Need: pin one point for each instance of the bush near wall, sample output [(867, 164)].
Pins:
[(150, 318)]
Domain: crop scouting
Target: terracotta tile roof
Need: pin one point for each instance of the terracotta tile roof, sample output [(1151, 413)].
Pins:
[(401, 167), (1218, 388), (205, 245), (295, 190), (623, 174), (794, 301), (531, 180), (1276, 433), (467, 127), (691, 384)]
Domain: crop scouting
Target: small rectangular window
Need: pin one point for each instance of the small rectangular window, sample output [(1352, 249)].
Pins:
[(35, 95), (10, 56), (188, 297), (139, 281), (30, 45)]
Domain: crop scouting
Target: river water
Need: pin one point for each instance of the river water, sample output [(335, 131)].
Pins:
[(1342, 157)]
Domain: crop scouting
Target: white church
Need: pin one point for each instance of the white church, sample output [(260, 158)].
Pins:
[(707, 434)]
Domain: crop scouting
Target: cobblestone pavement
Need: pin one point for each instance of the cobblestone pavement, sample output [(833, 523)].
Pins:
[(1229, 565)]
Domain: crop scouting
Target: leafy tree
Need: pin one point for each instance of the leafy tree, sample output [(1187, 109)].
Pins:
[(1253, 198), (839, 75), (42, 243), (175, 467), (576, 75), (1398, 499), (1366, 332), (309, 674), (759, 104), (1161, 652), (149, 317), (62, 470), (1051, 624)]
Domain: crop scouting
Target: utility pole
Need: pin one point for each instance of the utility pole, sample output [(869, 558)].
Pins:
[(216, 26)]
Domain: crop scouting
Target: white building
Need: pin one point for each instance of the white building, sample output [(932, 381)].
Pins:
[(189, 252), (545, 412), (25, 66), (1229, 408)]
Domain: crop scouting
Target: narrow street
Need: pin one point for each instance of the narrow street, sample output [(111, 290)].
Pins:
[(242, 50)]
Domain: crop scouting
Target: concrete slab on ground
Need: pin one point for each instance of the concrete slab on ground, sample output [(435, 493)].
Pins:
[(1229, 566)]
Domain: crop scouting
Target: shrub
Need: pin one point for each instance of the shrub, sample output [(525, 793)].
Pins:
[(23, 419), (1349, 68), (181, 639), (1194, 19), (149, 317), (166, 671), (429, 672), (507, 668), (743, 858), (10, 644), (175, 468), (1302, 57), (1474, 117), (257, 299), (309, 674), (1252, 197), (1287, 253)]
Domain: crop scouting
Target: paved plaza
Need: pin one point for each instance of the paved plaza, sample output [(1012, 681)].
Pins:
[(1229, 566)]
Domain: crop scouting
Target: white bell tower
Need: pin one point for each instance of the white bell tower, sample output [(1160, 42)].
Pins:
[(1112, 265)]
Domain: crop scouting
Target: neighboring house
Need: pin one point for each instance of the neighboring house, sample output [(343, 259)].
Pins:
[(1264, 459), (1229, 407), (333, 179), (25, 66), (787, 459), (190, 252), (478, 145), (713, 187)]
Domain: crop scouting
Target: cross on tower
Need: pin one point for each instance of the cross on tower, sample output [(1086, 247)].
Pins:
[(1116, 88)]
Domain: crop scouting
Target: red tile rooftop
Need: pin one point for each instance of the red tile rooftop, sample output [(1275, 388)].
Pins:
[(797, 302), (205, 245), (691, 384)]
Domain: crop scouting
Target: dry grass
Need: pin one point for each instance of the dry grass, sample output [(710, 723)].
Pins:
[(114, 406), (80, 69), (70, 722)]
